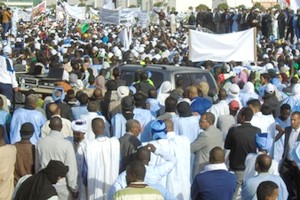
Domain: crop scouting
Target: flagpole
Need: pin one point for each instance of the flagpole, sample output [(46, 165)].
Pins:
[(67, 24)]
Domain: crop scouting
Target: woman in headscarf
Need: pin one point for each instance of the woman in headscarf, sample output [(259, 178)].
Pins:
[(247, 93), (40, 186), (163, 92)]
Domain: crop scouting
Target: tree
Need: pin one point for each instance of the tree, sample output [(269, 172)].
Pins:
[(202, 7), (241, 7), (132, 6), (159, 4), (191, 8), (258, 5), (223, 6)]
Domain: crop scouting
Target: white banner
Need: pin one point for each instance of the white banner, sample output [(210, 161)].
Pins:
[(75, 11), (94, 15), (128, 14), (143, 19), (239, 46), (109, 16), (24, 14)]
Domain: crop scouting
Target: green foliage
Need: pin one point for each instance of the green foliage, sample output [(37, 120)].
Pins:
[(132, 6), (223, 6), (159, 4), (191, 8), (258, 5), (277, 7), (241, 7), (202, 7)]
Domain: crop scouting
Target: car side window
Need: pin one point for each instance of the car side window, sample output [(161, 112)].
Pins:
[(157, 79), (185, 77), (128, 76), (203, 77)]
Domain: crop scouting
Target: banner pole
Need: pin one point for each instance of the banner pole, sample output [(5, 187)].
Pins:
[(255, 46)]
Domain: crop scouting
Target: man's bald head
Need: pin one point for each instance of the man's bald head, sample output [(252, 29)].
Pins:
[(97, 93), (263, 163), (222, 94), (98, 126), (31, 100), (54, 109), (169, 124), (216, 155), (92, 106), (55, 123), (144, 154)]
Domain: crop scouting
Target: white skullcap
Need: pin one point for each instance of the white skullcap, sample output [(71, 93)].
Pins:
[(269, 66), (265, 56), (118, 53), (270, 88), (7, 50), (122, 91), (95, 48), (53, 52), (79, 125), (37, 46), (296, 89), (110, 54), (234, 89)]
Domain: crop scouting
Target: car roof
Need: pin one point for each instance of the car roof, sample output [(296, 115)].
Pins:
[(164, 67)]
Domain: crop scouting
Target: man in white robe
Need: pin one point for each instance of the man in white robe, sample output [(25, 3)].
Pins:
[(177, 181), (92, 114), (101, 167), (79, 142), (155, 172), (187, 123), (221, 108), (266, 123)]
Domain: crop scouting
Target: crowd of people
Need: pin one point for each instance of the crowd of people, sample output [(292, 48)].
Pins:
[(144, 141)]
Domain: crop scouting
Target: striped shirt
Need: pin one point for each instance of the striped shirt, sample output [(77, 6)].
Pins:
[(138, 191)]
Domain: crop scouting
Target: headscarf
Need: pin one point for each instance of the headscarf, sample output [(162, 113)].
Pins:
[(248, 88), (263, 141), (163, 92), (40, 185), (158, 130), (58, 98)]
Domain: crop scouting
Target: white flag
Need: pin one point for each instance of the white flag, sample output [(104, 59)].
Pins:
[(238, 46)]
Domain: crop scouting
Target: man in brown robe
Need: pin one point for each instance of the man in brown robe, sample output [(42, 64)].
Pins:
[(25, 152)]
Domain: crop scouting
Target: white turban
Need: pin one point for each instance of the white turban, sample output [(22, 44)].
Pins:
[(79, 125)]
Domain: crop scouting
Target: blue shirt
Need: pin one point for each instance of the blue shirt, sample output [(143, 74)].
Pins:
[(250, 186), (78, 111), (200, 105), (214, 185)]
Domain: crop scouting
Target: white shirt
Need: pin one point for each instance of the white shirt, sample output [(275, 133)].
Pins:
[(219, 109), (7, 77), (292, 140)]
